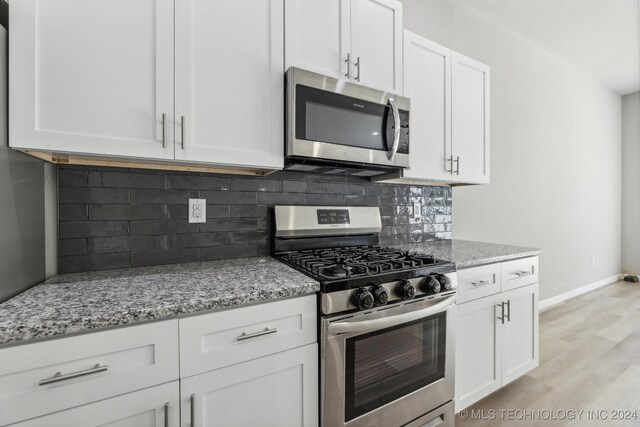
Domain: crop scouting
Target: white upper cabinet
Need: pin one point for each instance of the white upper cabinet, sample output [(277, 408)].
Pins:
[(359, 40), (92, 77), (427, 82), (470, 120), (230, 82), (376, 43), (315, 31)]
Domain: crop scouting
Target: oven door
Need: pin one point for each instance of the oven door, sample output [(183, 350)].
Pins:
[(390, 366), (330, 119)]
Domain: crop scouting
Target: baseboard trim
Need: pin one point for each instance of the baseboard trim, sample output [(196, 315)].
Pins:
[(553, 301)]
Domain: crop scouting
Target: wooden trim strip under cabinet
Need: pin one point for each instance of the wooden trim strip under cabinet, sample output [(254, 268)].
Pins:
[(70, 159)]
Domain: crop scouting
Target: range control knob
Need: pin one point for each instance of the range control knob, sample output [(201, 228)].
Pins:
[(430, 285), (362, 299), (406, 290), (444, 281), (381, 295)]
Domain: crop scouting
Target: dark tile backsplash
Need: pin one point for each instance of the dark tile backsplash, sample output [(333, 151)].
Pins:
[(113, 218)]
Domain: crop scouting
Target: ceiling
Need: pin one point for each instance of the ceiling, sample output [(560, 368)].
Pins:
[(599, 37)]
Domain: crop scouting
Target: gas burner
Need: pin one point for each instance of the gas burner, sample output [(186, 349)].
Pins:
[(355, 261)]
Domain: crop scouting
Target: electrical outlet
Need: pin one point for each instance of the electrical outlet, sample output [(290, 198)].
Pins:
[(197, 210), (417, 210)]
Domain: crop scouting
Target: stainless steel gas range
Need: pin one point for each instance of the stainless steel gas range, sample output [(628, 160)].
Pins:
[(387, 319)]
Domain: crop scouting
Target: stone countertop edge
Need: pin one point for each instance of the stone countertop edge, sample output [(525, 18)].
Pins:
[(67, 305)]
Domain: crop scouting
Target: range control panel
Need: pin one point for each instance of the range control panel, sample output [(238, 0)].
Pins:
[(333, 216)]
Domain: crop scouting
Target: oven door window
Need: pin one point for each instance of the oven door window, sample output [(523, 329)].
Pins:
[(325, 116), (385, 365)]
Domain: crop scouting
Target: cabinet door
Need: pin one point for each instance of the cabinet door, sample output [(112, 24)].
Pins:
[(427, 82), (92, 77), (230, 82), (520, 344), (317, 36), (280, 390), (376, 43), (478, 350), (151, 407), (470, 118)]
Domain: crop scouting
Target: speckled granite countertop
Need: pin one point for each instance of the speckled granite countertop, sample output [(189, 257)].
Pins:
[(79, 302), (466, 253)]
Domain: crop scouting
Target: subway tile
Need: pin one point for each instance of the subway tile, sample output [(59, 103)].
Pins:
[(126, 180), (229, 224), (173, 256), (246, 237), (68, 247), (75, 229), (324, 199), (280, 199), (375, 190), (72, 212), (354, 189), (255, 184), (287, 175), (78, 263), (99, 245), (325, 177), (154, 227), (229, 197), (316, 187), (162, 197), (70, 195), (248, 211), (72, 178), (227, 252), (361, 200), (197, 182), (294, 186), (127, 212), (198, 240)]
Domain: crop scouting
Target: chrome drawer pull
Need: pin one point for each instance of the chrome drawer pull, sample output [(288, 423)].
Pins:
[(192, 403), (59, 376), (480, 283), (267, 331), (167, 414), (523, 273)]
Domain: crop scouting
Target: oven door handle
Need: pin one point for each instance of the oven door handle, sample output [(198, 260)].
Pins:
[(396, 131), (387, 322)]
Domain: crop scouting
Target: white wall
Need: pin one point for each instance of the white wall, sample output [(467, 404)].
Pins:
[(631, 182), (555, 151)]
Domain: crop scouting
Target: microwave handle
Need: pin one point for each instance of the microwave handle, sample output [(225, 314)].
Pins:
[(396, 131), (387, 322)]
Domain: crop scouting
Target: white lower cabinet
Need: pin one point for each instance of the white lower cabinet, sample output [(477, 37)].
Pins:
[(496, 341), (279, 390), (152, 407)]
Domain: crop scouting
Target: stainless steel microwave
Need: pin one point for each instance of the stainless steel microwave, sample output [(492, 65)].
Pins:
[(338, 125)]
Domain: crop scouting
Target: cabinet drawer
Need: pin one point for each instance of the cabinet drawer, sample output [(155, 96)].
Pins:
[(478, 282), (40, 378), (221, 339), (520, 272)]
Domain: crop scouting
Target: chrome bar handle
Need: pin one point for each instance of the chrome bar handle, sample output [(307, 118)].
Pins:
[(167, 415), (182, 132), (501, 317), (266, 331), (358, 62), (480, 283), (59, 376), (396, 131), (523, 273), (164, 130), (508, 310), (449, 160), (348, 61), (192, 401), (457, 162)]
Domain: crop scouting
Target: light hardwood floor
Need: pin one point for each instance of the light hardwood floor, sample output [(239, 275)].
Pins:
[(589, 359)]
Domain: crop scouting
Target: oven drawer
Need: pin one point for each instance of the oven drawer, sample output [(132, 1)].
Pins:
[(441, 417), (216, 340), (41, 378), (518, 273), (478, 282)]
